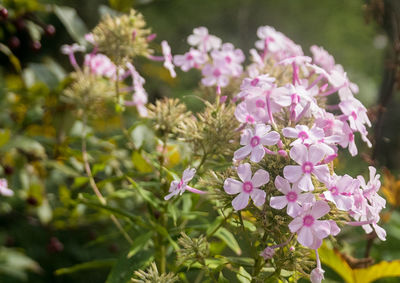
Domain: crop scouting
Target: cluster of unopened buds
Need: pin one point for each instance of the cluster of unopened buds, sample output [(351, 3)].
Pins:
[(290, 122)]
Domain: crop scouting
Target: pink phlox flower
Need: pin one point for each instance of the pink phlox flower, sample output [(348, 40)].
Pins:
[(329, 123), (370, 189), (322, 58), (293, 198), (256, 58), (166, 50), (99, 64), (90, 38), (348, 139), (139, 97), (229, 57), (317, 275), (308, 160), (255, 84), (203, 40), (254, 140), (303, 134), (304, 103), (4, 190), (68, 49), (192, 59), (249, 187), (215, 74), (340, 191), (243, 114), (179, 187), (310, 231)]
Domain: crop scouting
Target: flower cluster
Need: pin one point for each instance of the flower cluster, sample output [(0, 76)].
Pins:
[(287, 119), (218, 62)]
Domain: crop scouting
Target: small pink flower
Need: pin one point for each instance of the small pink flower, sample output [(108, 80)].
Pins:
[(166, 50), (101, 65), (179, 187), (267, 253), (254, 141), (292, 198), (308, 160), (203, 40), (249, 187), (192, 59), (340, 191), (4, 190), (322, 58), (317, 275), (303, 134), (310, 231), (215, 74)]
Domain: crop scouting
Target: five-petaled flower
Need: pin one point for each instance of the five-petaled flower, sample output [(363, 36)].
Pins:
[(179, 187)]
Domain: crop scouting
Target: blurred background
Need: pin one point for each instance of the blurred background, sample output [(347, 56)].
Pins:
[(361, 35)]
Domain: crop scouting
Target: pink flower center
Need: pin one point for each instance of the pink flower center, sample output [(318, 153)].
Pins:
[(307, 167), (291, 196), (228, 59), (254, 82), (334, 191), (180, 184), (303, 135), (189, 57), (247, 187), (351, 137), (217, 73), (249, 119), (308, 220), (354, 115), (255, 141), (260, 103)]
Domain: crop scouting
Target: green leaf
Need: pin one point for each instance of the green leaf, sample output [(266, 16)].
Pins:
[(95, 264), (45, 212), (124, 268), (16, 264), (229, 239), (139, 242), (13, 59), (72, 22), (143, 136), (243, 276), (39, 73), (164, 232), (61, 167), (27, 145), (145, 194), (5, 135), (140, 163), (245, 261)]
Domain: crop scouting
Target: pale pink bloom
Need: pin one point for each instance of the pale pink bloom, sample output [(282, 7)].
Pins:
[(322, 58), (267, 253), (310, 231), (356, 114), (179, 187), (70, 51), (303, 134), (348, 139), (340, 191), (192, 59), (4, 190), (89, 38), (370, 189), (249, 187), (139, 97), (215, 75), (166, 50), (243, 115), (293, 198), (251, 84), (308, 160), (254, 141), (230, 58), (204, 41), (101, 65), (317, 275)]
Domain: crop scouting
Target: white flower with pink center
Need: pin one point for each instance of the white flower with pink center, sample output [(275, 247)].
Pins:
[(340, 191), (308, 160), (293, 198), (192, 59), (215, 74), (249, 187), (310, 231), (230, 57), (179, 187), (254, 141), (203, 40), (4, 190), (303, 134)]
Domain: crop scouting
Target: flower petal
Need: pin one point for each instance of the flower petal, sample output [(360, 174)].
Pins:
[(315, 154), (240, 201), (244, 172), (257, 153), (322, 173), (319, 209), (292, 173), (270, 138), (278, 202), (241, 153), (258, 196), (296, 224), (188, 174), (322, 229), (299, 153), (260, 178), (305, 183), (232, 186), (282, 185), (305, 236)]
